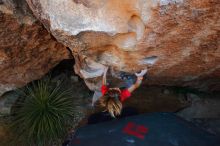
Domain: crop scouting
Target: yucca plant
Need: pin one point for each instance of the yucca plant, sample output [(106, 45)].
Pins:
[(44, 113)]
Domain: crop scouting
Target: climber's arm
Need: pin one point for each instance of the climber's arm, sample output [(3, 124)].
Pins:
[(139, 80), (104, 76), (136, 85)]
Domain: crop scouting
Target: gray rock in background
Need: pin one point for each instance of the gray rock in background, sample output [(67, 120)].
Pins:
[(201, 107), (7, 101)]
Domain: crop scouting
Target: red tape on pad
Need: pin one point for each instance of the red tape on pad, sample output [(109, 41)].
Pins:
[(133, 129)]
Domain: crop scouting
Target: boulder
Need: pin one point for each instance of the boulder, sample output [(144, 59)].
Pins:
[(204, 107), (27, 50), (177, 40), (7, 101)]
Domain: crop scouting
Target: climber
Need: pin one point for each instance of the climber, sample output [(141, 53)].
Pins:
[(112, 98)]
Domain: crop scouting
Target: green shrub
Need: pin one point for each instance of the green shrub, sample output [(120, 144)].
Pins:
[(44, 113)]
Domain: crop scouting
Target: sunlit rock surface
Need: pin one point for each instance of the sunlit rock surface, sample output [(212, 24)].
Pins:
[(177, 40), (27, 50)]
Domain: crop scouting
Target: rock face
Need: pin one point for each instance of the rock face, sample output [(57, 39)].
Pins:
[(27, 50), (177, 40)]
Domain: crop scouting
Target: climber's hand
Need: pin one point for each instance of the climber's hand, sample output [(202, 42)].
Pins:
[(138, 81), (142, 73)]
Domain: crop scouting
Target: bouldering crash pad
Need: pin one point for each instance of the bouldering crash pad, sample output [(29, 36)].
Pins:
[(154, 129)]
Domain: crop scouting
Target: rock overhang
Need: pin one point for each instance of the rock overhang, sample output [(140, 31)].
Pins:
[(166, 36)]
